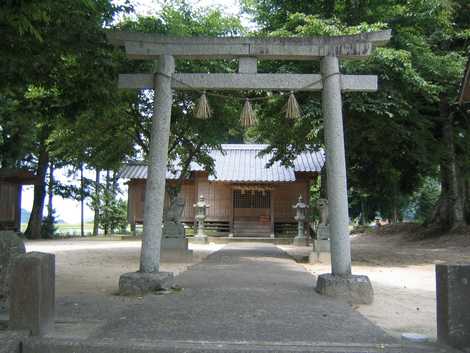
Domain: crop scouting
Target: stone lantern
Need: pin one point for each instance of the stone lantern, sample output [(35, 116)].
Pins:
[(201, 214), (301, 215)]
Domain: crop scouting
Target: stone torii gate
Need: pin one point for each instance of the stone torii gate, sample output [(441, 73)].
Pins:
[(329, 50)]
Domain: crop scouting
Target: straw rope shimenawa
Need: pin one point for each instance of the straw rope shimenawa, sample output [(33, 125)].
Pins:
[(292, 107), (203, 110), (247, 117)]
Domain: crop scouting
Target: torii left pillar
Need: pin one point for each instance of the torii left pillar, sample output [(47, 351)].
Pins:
[(149, 278)]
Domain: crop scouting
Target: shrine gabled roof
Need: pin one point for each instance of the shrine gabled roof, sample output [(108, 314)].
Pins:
[(241, 163)]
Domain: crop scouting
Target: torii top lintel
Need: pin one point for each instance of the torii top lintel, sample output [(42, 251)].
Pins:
[(151, 46)]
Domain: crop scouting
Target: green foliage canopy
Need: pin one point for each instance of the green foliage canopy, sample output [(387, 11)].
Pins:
[(393, 135)]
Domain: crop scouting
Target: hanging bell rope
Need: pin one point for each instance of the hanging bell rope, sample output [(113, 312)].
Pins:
[(292, 108), (247, 117), (203, 110)]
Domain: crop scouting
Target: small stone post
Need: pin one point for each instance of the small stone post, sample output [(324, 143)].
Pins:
[(301, 209), (11, 245), (453, 304), (32, 293), (340, 283), (201, 214), (155, 186)]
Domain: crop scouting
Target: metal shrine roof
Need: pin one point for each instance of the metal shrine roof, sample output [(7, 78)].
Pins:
[(241, 163)]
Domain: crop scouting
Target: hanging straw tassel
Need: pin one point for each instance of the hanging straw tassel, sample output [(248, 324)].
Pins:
[(247, 117), (292, 108), (203, 110)]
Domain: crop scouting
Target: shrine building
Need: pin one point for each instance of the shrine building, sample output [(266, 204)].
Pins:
[(246, 198)]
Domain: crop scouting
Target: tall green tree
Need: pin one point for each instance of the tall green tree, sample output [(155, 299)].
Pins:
[(56, 67), (403, 133)]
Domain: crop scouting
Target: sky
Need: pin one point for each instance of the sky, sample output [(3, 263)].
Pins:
[(66, 209), (69, 210), (150, 7)]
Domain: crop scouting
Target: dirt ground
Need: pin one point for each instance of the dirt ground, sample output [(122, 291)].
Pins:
[(93, 266), (402, 271)]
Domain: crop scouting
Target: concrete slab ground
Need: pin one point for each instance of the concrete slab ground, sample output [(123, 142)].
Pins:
[(246, 297)]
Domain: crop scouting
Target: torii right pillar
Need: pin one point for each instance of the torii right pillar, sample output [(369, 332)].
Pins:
[(340, 283)]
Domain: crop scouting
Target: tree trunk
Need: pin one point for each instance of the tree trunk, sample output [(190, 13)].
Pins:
[(114, 191), (363, 219), (467, 200), (33, 231), (323, 183), (82, 200), (50, 190), (114, 184), (106, 205), (396, 211), (449, 212), (96, 219), (356, 11), (329, 8)]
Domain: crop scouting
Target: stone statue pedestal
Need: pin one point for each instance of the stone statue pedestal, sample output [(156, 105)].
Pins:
[(300, 241), (200, 239), (175, 243), (323, 232), (319, 258), (321, 246), (173, 230)]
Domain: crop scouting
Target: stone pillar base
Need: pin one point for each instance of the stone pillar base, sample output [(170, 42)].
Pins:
[(354, 289), (300, 241), (140, 283), (199, 240)]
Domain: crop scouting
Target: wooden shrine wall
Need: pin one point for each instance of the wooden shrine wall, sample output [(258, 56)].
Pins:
[(219, 197), (9, 206)]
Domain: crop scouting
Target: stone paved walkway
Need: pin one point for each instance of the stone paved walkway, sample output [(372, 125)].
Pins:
[(247, 297), (245, 292)]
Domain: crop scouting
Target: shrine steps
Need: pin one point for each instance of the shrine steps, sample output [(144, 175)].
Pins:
[(64, 345), (253, 239), (251, 229)]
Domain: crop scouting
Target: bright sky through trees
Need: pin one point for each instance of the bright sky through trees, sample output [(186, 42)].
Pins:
[(229, 7)]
